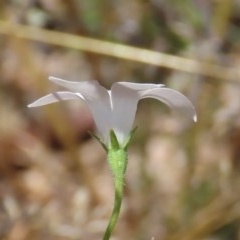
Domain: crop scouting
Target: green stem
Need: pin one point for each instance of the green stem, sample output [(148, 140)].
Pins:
[(117, 159), (116, 210)]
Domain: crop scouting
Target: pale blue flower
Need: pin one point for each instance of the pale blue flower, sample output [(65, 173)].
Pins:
[(115, 109)]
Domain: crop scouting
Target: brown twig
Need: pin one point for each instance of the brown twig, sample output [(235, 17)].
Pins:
[(119, 51)]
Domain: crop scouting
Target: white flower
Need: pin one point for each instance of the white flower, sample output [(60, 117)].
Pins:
[(116, 108)]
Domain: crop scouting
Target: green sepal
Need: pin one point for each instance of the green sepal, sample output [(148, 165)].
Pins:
[(99, 140), (117, 155), (113, 140), (129, 139)]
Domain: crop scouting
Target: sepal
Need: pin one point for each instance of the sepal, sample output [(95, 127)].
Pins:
[(99, 140), (113, 140), (129, 139)]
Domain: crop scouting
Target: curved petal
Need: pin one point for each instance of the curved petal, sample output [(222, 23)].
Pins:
[(138, 86), (97, 99), (124, 99), (55, 97), (124, 105), (88, 89), (173, 99)]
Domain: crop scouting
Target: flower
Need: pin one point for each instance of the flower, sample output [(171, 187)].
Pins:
[(115, 109)]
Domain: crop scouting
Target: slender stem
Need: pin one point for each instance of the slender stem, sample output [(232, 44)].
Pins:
[(116, 209), (117, 159)]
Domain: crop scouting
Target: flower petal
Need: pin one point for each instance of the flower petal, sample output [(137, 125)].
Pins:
[(139, 86), (97, 99), (86, 88), (124, 105), (173, 99), (124, 97), (55, 97)]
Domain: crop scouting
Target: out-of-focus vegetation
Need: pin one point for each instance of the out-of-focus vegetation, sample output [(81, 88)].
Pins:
[(183, 179)]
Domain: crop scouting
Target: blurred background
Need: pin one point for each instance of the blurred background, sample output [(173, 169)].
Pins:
[(182, 180)]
